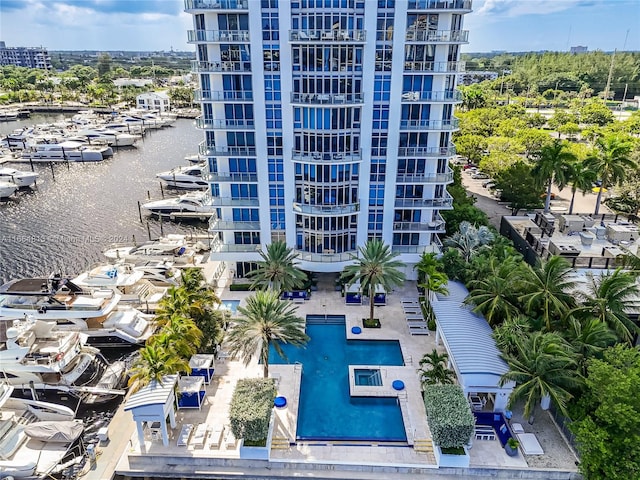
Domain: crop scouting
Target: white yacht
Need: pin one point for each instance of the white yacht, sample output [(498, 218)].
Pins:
[(45, 363), (20, 178), (173, 247), (158, 272), (111, 137), (7, 189), (196, 203), (18, 138), (53, 298), (66, 151), (190, 177), (33, 445)]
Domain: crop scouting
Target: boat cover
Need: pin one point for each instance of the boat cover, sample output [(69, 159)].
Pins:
[(56, 432)]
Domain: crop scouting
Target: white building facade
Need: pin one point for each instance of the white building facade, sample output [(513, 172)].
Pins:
[(327, 123), (158, 101)]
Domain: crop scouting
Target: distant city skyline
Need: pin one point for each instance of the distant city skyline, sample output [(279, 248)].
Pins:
[(157, 25)]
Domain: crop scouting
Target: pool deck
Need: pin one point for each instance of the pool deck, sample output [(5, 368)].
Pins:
[(217, 458)]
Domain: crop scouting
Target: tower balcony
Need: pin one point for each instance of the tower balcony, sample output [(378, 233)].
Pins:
[(438, 125), (334, 35), (222, 96), (445, 96), (326, 210), (213, 151), (327, 99), (231, 177), (220, 67), (444, 202), (449, 68), (450, 6), (431, 152), (215, 224), (217, 36), (437, 225), (325, 158), (437, 36), (197, 6), (210, 124), (235, 202), (438, 178)]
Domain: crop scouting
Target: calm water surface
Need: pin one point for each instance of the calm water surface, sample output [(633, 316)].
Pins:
[(65, 223)]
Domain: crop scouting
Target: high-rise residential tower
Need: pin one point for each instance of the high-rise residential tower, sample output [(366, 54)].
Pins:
[(326, 123)]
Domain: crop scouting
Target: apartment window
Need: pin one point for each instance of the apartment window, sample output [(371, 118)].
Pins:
[(241, 139), (276, 170), (376, 195), (233, 21), (375, 220), (384, 26), (406, 239), (381, 88), (272, 87), (278, 219), (245, 215), (276, 195), (380, 117), (274, 144), (378, 170), (243, 190), (242, 268), (242, 165), (270, 26), (269, 3), (246, 238)]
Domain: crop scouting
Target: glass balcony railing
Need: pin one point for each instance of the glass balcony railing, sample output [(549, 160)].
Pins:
[(328, 257), (333, 35), (327, 98), (234, 202), (222, 96), (230, 177), (449, 96), (462, 5), (436, 225), (345, 209), (437, 36), (446, 177), (436, 152), (217, 36), (217, 224), (443, 125), (205, 123), (235, 248), (216, 5), (308, 157), (222, 66), (417, 249), (434, 67), (213, 151), (441, 202)]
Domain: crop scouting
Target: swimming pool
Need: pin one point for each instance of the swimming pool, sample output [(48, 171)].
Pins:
[(231, 305), (326, 410)]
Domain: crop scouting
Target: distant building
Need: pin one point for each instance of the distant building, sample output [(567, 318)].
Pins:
[(31, 57), (469, 77), (153, 101), (579, 49), (132, 82)]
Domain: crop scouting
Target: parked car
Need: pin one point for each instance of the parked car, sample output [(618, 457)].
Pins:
[(480, 176), (488, 183), (468, 166)]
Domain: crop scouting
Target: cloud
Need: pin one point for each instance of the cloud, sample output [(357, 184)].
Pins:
[(166, 7), (516, 8)]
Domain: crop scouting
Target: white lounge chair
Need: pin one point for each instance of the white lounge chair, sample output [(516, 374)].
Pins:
[(199, 436), (185, 435), (216, 436), (230, 439)]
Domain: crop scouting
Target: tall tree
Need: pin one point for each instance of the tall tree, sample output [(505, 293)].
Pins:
[(588, 338), (375, 266), (433, 369), (611, 162), (581, 177), (542, 365), (277, 269), (154, 363), (517, 188), (470, 239), (552, 168), (266, 321)]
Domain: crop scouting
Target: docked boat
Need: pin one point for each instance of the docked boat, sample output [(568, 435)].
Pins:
[(70, 151), (18, 138), (173, 247), (8, 115), (158, 272), (36, 443), (196, 203), (18, 177), (108, 136), (189, 177), (45, 363), (7, 189)]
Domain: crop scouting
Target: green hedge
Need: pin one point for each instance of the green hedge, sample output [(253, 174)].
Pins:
[(449, 415), (251, 407), (239, 287)]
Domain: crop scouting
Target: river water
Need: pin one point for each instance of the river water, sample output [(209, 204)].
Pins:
[(65, 223)]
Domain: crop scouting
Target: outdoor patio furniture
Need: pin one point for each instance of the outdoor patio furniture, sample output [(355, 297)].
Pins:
[(216, 436), (199, 436), (485, 432), (185, 435), (418, 330), (230, 439), (517, 428), (529, 444)]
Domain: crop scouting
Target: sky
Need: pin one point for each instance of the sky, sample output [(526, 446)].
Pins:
[(154, 25)]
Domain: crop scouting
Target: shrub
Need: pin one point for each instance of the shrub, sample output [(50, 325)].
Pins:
[(250, 409), (449, 415), (371, 323), (239, 287)]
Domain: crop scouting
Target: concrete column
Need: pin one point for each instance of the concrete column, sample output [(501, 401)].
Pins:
[(165, 433), (140, 435)]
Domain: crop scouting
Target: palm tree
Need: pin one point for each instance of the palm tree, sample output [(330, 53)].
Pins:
[(266, 321), (180, 334), (542, 366), (154, 363), (430, 275), (588, 339), (376, 266), (433, 369), (608, 298), (611, 162), (580, 178), (553, 167), (509, 331), (469, 239), (548, 288), (494, 295), (277, 269)]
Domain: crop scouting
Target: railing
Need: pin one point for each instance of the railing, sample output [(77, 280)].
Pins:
[(419, 249), (452, 124), (324, 257), (438, 152), (212, 150), (439, 5), (437, 36), (434, 67), (217, 36), (221, 95), (222, 66), (445, 201), (345, 209), (233, 247), (425, 177), (307, 157), (216, 4), (231, 177), (436, 225), (224, 124), (327, 99), (327, 35), (442, 96), (235, 202), (217, 224)]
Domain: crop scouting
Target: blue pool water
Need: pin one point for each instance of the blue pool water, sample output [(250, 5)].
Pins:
[(231, 305), (326, 410)]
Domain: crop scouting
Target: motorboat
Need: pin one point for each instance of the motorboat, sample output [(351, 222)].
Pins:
[(110, 137), (7, 189), (158, 272), (71, 151), (196, 203), (18, 138), (172, 247), (49, 364), (35, 443), (18, 177), (53, 298), (126, 127), (194, 158), (189, 177), (8, 115)]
